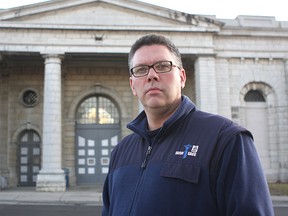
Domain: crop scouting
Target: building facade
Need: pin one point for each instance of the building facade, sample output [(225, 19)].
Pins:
[(65, 97)]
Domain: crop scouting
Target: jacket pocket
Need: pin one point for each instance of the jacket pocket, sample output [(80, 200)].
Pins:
[(186, 172)]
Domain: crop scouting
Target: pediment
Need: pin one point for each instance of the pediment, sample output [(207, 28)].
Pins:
[(114, 13)]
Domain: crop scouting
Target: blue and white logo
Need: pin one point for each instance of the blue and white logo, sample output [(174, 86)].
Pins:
[(189, 150)]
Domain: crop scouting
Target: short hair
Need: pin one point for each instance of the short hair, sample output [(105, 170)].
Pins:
[(154, 39)]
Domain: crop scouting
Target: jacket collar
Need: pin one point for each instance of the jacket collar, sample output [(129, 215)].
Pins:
[(139, 124)]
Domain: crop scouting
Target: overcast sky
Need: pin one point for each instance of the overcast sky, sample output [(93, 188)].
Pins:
[(228, 9)]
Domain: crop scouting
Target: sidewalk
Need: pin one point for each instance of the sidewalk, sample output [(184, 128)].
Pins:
[(29, 196), (73, 196), (280, 201)]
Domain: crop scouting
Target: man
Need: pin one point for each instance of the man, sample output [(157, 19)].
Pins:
[(180, 161)]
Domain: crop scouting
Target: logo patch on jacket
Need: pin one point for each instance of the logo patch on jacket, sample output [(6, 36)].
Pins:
[(189, 150)]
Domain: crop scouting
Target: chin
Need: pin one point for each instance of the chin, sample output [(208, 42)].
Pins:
[(154, 101), (155, 104)]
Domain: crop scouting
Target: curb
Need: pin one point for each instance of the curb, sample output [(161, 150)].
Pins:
[(75, 197), (52, 203), (279, 201)]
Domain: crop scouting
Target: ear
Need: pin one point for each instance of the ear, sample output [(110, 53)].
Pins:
[(132, 86), (183, 78)]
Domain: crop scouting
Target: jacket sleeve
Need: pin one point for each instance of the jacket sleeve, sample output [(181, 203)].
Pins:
[(105, 197), (241, 187), (106, 188)]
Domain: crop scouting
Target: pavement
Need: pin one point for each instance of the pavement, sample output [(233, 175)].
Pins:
[(72, 196)]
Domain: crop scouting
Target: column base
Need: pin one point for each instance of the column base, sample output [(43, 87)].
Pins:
[(272, 175), (3, 183), (283, 175), (51, 182)]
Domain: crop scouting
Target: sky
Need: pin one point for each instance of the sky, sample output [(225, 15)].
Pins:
[(222, 9)]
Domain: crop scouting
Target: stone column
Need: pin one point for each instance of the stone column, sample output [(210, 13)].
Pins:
[(205, 82), (51, 176), (282, 132), (223, 87), (4, 151)]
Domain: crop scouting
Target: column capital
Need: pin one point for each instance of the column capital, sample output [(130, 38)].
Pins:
[(51, 56), (203, 55)]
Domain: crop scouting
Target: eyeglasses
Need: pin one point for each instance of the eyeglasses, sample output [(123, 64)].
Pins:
[(159, 67)]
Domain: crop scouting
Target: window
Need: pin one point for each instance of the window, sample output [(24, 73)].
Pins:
[(29, 98), (254, 96), (97, 110)]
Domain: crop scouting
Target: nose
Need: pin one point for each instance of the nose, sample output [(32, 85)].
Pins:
[(152, 75)]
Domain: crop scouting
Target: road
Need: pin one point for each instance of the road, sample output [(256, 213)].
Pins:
[(49, 210), (73, 210), (281, 210)]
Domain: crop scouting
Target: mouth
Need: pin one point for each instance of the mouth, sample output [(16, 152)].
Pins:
[(153, 90)]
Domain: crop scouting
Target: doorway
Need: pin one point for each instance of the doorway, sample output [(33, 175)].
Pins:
[(97, 133), (29, 155), (257, 123)]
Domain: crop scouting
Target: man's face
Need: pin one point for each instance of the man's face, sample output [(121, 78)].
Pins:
[(157, 90)]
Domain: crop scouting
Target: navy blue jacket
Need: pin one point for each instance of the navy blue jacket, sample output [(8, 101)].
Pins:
[(196, 164)]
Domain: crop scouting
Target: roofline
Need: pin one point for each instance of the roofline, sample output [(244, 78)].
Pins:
[(9, 25), (192, 19)]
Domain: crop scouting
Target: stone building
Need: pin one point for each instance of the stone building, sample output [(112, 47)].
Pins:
[(65, 98)]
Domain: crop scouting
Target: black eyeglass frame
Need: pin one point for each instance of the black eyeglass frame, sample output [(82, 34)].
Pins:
[(152, 66)]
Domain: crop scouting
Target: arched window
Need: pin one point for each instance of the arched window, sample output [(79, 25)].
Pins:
[(97, 110), (254, 96)]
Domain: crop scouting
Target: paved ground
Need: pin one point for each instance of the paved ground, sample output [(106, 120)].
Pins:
[(48, 210), (79, 196)]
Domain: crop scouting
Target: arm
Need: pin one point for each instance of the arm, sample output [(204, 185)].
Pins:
[(241, 185), (105, 197)]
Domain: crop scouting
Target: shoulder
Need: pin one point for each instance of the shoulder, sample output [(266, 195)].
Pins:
[(127, 141), (230, 136), (129, 145), (219, 123)]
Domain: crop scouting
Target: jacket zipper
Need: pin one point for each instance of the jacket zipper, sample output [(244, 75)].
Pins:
[(143, 166), (148, 152)]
